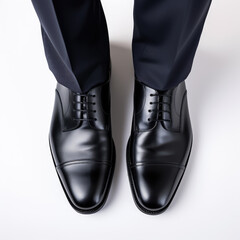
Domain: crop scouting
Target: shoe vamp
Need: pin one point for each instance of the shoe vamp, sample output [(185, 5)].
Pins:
[(83, 144), (160, 146)]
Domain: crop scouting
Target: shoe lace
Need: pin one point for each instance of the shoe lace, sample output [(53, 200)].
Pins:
[(83, 100), (161, 103)]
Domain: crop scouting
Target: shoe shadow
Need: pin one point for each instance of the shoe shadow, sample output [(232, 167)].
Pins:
[(122, 82), (203, 84)]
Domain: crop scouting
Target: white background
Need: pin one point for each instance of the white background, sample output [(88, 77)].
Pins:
[(32, 202)]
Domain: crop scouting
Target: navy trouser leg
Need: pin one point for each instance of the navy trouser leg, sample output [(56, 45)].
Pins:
[(165, 39), (76, 41), (166, 36)]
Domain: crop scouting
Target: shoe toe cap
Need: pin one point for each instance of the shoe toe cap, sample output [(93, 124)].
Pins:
[(154, 185), (85, 184)]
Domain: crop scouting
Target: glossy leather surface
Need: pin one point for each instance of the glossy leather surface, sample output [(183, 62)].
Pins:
[(159, 146), (82, 146)]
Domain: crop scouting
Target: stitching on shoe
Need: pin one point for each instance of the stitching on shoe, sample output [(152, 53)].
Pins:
[(167, 164), (82, 162)]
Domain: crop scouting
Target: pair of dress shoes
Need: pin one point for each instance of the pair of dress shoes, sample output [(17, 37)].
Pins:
[(84, 154)]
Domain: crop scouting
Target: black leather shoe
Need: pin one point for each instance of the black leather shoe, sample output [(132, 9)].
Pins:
[(82, 147), (159, 146)]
